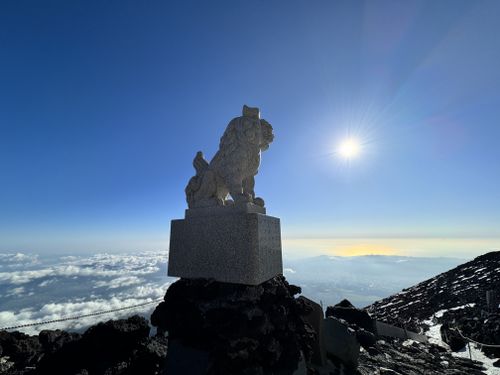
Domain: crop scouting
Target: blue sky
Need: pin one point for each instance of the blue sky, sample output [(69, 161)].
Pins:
[(103, 106)]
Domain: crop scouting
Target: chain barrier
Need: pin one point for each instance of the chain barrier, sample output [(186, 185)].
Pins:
[(474, 341), (76, 317)]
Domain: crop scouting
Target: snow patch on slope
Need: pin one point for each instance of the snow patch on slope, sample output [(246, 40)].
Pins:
[(434, 335)]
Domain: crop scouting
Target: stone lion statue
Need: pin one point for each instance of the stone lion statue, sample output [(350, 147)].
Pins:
[(234, 166)]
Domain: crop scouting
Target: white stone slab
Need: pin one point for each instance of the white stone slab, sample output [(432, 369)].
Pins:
[(240, 248)]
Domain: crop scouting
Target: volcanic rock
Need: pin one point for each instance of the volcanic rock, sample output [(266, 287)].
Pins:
[(241, 328), (53, 341), (346, 311), (452, 338), (408, 357), (476, 324), (102, 347), (22, 350)]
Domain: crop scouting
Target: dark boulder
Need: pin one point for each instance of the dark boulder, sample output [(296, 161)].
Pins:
[(346, 304), (115, 337), (452, 338), (149, 356), (52, 341), (346, 311), (23, 350), (106, 348), (366, 338)]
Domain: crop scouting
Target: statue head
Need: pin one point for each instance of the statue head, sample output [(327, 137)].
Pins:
[(267, 135), (258, 131)]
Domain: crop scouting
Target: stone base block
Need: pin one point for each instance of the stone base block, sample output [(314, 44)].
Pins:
[(340, 342), (240, 248)]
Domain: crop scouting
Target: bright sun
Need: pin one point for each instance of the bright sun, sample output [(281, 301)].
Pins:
[(349, 148)]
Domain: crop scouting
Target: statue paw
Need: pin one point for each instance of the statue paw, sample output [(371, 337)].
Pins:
[(242, 199)]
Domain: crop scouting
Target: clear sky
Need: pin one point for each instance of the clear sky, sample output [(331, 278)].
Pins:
[(103, 105)]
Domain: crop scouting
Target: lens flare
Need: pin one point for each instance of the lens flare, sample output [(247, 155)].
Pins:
[(349, 148)]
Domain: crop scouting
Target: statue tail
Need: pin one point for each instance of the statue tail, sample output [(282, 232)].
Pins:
[(199, 163)]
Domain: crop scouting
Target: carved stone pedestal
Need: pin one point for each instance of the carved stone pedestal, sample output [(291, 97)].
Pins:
[(233, 247)]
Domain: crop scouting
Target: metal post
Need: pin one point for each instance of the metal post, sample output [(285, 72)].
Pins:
[(491, 300), (406, 332)]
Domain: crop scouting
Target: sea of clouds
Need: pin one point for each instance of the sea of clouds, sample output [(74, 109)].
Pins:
[(36, 288)]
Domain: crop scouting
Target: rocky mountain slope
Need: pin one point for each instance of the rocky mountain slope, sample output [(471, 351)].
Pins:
[(465, 284), (451, 308), (407, 357)]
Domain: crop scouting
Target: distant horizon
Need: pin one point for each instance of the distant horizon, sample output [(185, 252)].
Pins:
[(296, 246), (466, 247), (287, 253)]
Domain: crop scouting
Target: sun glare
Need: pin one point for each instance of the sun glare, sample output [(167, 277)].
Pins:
[(349, 148)]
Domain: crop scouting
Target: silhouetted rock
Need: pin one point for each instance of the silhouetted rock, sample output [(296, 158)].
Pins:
[(345, 303), (315, 318), (149, 356), (366, 338), (113, 347), (452, 338), (52, 341), (240, 327), (346, 311), (22, 350)]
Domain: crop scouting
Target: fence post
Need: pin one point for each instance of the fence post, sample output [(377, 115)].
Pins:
[(491, 300)]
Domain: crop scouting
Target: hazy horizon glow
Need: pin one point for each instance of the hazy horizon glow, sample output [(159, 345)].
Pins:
[(103, 107), (465, 248)]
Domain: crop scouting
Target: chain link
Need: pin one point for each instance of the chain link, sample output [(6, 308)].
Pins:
[(76, 317)]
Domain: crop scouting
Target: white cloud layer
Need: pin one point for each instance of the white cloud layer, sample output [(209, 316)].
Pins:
[(76, 286), (14, 260), (100, 265)]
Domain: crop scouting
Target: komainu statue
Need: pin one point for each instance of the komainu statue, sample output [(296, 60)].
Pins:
[(234, 166)]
